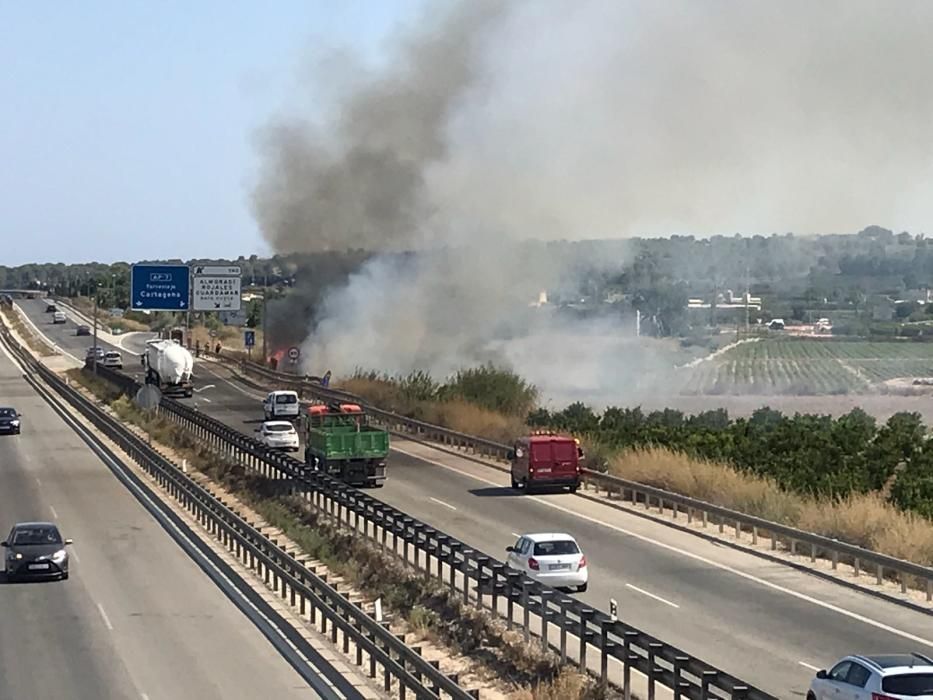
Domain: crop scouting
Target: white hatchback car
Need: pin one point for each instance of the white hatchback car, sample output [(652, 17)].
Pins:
[(279, 435), (553, 558), (876, 677)]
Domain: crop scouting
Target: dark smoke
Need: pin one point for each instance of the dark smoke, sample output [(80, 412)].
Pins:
[(360, 180), (500, 122)]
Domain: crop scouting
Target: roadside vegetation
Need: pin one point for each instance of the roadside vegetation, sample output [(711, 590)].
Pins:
[(14, 320), (850, 477), (484, 401), (427, 607)]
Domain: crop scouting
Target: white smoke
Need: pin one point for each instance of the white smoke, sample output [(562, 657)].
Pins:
[(500, 122)]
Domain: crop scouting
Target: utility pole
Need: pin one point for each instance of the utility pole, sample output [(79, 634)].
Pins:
[(747, 299), (94, 349), (265, 347)]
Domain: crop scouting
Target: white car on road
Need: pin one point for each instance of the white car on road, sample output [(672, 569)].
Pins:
[(553, 558), (876, 677), (279, 435), (112, 358), (281, 404)]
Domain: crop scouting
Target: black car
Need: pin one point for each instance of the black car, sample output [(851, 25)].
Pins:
[(83, 330), (35, 550), (9, 421)]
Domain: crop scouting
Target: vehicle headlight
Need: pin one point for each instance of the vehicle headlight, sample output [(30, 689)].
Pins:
[(59, 556), (18, 555), (14, 423)]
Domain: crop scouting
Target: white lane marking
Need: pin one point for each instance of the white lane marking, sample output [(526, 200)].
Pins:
[(103, 614), (209, 386), (515, 534), (54, 514), (695, 557), (143, 696), (440, 502), (810, 666), (651, 595), (204, 398), (74, 555), (39, 481)]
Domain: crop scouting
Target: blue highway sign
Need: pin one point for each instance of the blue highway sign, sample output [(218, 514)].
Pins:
[(249, 338), (160, 287)]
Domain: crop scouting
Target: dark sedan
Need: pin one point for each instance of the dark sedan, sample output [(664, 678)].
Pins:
[(83, 330), (35, 550), (9, 421)]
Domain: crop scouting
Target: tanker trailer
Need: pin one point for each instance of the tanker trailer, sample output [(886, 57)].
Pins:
[(168, 366)]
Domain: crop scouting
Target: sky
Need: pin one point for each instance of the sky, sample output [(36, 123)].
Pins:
[(127, 128)]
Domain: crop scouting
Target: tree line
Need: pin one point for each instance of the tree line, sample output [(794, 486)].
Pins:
[(811, 454)]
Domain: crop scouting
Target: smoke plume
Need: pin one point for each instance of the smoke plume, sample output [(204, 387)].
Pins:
[(498, 122)]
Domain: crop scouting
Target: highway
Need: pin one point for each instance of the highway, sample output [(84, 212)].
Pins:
[(137, 618), (761, 621)]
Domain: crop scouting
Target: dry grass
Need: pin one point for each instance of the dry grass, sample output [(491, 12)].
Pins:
[(865, 520), (13, 319), (568, 684), (458, 415)]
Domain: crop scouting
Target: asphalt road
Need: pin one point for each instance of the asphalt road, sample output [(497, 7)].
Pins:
[(137, 617), (763, 622)]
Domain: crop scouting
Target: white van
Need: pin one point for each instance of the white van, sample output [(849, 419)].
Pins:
[(281, 404)]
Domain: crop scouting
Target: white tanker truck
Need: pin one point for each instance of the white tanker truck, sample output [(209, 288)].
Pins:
[(168, 366)]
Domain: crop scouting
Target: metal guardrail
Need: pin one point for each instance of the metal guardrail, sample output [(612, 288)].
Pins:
[(907, 574), (559, 621), (289, 577)]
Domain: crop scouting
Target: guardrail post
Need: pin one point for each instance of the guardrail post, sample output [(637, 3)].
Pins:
[(443, 546), (679, 683), (526, 614), (586, 615), (604, 626), (545, 613), (513, 581), (739, 691), (628, 657), (482, 562), (708, 678), (467, 554), (653, 649)]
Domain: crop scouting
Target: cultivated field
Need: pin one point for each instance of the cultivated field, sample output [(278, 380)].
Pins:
[(790, 366)]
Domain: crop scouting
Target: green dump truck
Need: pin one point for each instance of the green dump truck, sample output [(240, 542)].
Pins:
[(340, 442)]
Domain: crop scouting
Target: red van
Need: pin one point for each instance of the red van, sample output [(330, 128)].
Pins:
[(545, 459)]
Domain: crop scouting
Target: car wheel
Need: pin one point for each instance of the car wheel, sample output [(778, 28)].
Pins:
[(811, 695), (582, 587), (65, 576), (574, 487), (515, 484)]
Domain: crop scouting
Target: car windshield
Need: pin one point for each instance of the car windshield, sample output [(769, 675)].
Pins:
[(279, 428), (556, 548), (7, 413), (112, 355), (909, 684), (36, 535), (286, 398)]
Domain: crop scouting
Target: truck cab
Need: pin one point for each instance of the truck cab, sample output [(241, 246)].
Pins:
[(545, 459), (281, 404)]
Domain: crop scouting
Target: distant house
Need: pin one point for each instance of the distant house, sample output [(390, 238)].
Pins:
[(776, 324), (882, 308)]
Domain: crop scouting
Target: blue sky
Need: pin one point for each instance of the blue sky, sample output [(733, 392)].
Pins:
[(126, 127)]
